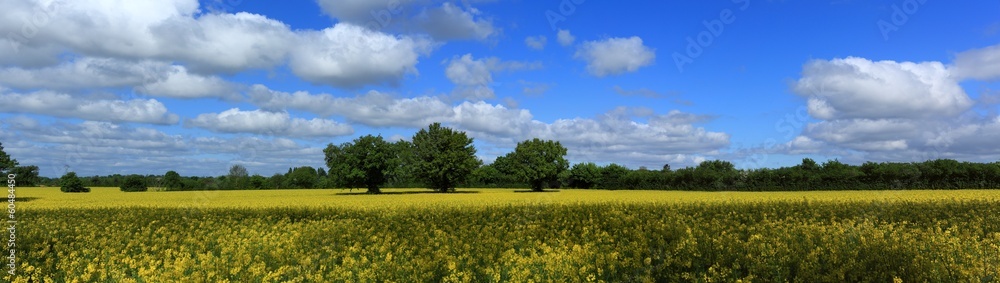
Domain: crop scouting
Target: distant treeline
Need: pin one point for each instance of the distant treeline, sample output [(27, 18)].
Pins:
[(832, 175), (715, 175)]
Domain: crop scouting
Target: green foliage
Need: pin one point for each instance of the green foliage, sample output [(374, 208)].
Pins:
[(6, 162), (172, 181), (488, 176), (304, 177), (405, 173), (443, 157), (645, 180), (613, 177), (366, 162), (831, 175), (535, 161), (238, 178), (277, 181), (584, 175), (134, 183), (70, 183), (716, 174), (27, 176), (258, 182)]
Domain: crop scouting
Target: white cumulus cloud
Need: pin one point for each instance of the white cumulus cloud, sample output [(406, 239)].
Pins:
[(351, 56), (450, 22), (169, 30), (897, 111), (64, 105), (980, 64), (565, 38), (372, 108), (268, 123), (536, 42), (615, 56), (860, 88), (473, 77)]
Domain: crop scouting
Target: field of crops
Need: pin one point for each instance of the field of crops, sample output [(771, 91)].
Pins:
[(493, 235)]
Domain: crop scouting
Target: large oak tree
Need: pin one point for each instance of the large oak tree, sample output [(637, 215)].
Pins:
[(444, 157), (537, 162), (365, 162)]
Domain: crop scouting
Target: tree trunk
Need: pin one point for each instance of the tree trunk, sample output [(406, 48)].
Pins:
[(374, 190), (538, 186)]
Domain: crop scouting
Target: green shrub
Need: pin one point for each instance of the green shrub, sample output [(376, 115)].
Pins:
[(134, 183)]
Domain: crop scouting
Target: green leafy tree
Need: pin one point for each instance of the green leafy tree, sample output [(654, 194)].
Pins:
[(404, 175), (321, 178), (257, 182), (584, 175), (839, 176), (366, 162), (134, 183), (443, 157), (238, 177), (806, 175), (537, 162), (304, 177), (27, 176), (70, 183), (6, 162), (613, 177), (487, 176), (172, 181), (716, 174), (277, 181)]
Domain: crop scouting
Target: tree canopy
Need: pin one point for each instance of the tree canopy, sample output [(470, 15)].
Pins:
[(444, 157), (70, 183), (237, 178), (304, 177), (26, 175), (134, 183), (172, 181), (6, 162), (366, 162), (537, 162), (584, 175)]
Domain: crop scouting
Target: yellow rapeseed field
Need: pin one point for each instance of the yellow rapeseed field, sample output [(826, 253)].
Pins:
[(500, 235), (51, 197)]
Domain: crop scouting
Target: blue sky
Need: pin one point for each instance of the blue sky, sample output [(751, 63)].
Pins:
[(122, 87)]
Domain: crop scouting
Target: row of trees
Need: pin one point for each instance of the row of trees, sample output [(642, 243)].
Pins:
[(809, 175), (27, 175), (440, 159), (505, 173), (304, 177)]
